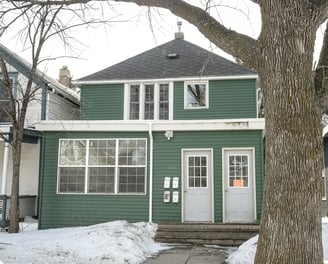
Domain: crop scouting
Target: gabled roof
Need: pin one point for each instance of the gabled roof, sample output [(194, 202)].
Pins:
[(174, 59), (40, 78)]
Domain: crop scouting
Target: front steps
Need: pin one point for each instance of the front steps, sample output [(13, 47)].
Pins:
[(206, 234)]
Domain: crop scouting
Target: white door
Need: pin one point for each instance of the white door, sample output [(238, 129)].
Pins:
[(238, 186), (197, 176)]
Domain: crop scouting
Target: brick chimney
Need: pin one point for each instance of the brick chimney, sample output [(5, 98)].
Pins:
[(179, 34), (65, 76)]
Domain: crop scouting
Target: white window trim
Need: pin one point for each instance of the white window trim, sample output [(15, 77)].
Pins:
[(86, 166), (185, 95), (142, 100)]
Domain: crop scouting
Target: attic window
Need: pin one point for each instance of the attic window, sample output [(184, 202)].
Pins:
[(172, 55)]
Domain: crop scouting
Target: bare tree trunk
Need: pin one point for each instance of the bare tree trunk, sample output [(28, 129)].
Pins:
[(14, 198), (291, 222)]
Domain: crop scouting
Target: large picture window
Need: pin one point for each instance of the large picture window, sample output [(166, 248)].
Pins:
[(111, 166), (150, 101)]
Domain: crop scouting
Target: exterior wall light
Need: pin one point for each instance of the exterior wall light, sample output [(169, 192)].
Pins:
[(168, 134)]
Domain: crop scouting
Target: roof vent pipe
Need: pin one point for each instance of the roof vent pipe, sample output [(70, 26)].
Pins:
[(179, 34)]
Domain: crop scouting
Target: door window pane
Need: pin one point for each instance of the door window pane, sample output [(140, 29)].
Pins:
[(197, 171), (238, 171)]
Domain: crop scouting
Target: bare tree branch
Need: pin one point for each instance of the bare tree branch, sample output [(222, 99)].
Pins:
[(242, 47)]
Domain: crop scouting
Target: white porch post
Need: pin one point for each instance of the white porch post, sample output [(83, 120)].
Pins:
[(5, 169)]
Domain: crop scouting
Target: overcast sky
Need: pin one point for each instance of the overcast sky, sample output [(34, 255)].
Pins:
[(106, 46)]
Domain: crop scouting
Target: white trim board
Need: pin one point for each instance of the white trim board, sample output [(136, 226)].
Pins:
[(142, 126)]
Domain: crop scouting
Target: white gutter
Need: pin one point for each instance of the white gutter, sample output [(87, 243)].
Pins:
[(150, 173), (5, 169)]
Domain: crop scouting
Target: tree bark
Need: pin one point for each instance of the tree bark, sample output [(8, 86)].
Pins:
[(291, 223)]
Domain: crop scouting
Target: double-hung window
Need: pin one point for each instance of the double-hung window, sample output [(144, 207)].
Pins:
[(4, 101), (107, 166), (148, 101)]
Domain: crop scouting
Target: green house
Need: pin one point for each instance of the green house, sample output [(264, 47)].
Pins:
[(170, 135)]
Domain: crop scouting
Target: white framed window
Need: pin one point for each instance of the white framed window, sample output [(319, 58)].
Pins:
[(197, 171), (106, 166), (4, 118), (238, 170), (196, 95), (148, 101)]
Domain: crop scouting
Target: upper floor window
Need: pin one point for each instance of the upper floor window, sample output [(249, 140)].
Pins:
[(4, 101), (196, 95), (150, 101)]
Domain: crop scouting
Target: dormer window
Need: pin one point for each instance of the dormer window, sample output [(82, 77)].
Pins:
[(148, 101), (196, 95)]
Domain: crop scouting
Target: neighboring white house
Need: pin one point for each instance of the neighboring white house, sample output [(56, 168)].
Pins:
[(53, 101)]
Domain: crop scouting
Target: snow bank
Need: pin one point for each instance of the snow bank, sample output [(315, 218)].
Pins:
[(246, 252), (114, 242)]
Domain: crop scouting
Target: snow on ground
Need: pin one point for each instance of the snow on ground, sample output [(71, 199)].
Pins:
[(113, 242), (246, 252)]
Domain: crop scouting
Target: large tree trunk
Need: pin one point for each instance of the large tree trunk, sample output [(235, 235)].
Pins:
[(291, 223)]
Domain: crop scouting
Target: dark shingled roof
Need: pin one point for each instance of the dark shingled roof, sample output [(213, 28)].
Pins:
[(174, 59)]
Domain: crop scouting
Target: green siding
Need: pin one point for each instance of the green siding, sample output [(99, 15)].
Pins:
[(57, 210), (167, 162), (227, 99), (102, 102)]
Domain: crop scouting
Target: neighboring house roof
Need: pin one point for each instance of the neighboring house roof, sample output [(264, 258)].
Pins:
[(40, 78), (174, 59)]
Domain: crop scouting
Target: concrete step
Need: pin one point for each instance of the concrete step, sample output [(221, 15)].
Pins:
[(206, 234)]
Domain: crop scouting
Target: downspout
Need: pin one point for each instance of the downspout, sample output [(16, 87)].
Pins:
[(150, 173)]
